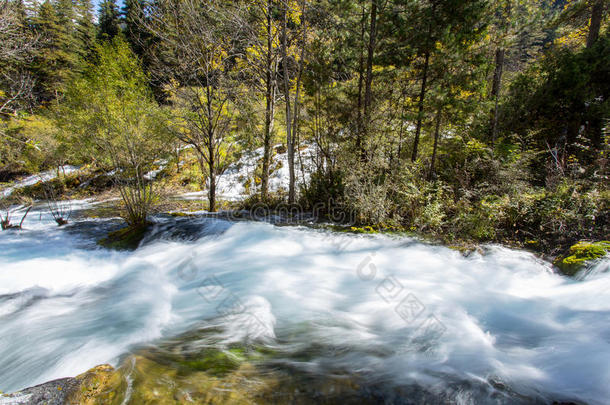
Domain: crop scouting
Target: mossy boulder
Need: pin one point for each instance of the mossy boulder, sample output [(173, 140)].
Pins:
[(99, 385), (127, 238), (580, 254), (144, 378), (217, 362)]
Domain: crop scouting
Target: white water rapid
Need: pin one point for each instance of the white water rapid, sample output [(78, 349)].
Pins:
[(391, 309)]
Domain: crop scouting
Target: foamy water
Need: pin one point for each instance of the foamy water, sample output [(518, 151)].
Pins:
[(388, 309)]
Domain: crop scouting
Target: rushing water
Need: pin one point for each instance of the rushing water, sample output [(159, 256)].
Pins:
[(394, 311)]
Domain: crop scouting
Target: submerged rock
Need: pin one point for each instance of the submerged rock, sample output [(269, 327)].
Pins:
[(86, 388), (96, 386), (580, 255), (145, 380), (51, 393), (189, 369), (127, 238), (196, 367)]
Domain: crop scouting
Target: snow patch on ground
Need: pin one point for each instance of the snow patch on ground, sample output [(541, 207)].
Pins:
[(161, 164), (232, 183), (39, 177)]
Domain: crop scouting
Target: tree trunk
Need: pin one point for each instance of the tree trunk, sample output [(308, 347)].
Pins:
[(212, 177), (359, 124), (268, 135), (495, 93), (212, 192), (420, 113), (597, 12), (289, 140), (269, 106), (296, 116), (369, 70), (437, 128)]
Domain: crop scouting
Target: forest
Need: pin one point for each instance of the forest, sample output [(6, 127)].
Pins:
[(476, 120)]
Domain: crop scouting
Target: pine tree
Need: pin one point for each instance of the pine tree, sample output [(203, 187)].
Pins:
[(85, 28), (18, 44), (133, 17), (69, 41), (423, 28), (20, 9), (108, 20), (65, 13), (57, 59), (597, 15)]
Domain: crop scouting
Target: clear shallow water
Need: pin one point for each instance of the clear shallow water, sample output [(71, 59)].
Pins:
[(391, 310)]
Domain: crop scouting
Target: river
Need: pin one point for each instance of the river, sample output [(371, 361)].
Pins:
[(496, 326)]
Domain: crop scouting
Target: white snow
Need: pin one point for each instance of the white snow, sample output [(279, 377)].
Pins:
[(161, 164), (232, 183), (39, 177)]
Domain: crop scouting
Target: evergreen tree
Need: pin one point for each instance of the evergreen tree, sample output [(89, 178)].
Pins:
[(57, 58), (108, 20), (69, 38), (562, 103), (18, 45), (85, 28), (133, 18), (424, 26), (65, 13)]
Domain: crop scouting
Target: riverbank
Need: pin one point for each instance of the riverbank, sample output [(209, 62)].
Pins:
[(107, 204), (545, 220)]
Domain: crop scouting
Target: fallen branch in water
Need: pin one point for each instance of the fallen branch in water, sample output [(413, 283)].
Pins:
[(61, 210), (24, 216), (5, 222)]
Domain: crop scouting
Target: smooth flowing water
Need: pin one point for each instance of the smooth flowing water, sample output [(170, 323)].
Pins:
[(394, 311)]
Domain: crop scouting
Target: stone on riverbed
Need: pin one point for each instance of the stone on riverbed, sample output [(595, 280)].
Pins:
[(83, 389), (580, 255), (127, 238)]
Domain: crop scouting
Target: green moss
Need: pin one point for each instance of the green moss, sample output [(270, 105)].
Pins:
[(217, 362), (581, 253), (127, 238), (238, 352), (97, 386), (177, 207), (364, 229), (154, 380)]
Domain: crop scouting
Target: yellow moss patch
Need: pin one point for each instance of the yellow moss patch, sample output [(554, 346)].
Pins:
[(97, 386), (581, 253)]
